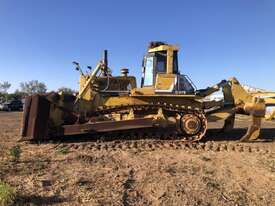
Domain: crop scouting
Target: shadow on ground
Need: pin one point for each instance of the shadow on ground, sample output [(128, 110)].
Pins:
[(39, 200), (267, 135)]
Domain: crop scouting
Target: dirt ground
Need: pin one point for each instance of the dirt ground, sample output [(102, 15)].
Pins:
[(221, 172)]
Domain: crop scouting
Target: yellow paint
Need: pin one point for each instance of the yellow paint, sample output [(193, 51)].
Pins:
[(170, 50), (165, 81)]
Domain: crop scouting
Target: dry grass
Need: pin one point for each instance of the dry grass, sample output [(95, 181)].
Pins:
[(7, 194), (48, 175)]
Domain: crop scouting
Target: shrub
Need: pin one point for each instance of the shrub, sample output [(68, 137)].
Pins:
[(7, 194), (15, 153), (62, 150)]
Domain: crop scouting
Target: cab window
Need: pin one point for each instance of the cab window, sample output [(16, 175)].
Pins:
[(175, 62), (148, 74), (161, 62)]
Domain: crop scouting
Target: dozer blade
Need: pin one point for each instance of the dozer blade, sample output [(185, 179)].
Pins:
[(35, 118)]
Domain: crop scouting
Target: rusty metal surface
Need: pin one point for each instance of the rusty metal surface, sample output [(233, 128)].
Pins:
[(35, 118), (26, 113), (108, 126)]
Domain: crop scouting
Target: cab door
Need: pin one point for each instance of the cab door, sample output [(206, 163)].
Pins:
[(148, 78)]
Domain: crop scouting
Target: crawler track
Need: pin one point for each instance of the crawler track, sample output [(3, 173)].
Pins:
[(169, 110), (151, 145), (151, 139)]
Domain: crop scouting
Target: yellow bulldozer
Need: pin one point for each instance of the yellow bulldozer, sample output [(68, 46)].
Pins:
[(166, 104)]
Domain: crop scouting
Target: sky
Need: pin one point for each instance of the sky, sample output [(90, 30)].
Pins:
[(218, 38)]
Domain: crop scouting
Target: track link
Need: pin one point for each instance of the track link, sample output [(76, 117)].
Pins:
[(155, 138), (152, 145)]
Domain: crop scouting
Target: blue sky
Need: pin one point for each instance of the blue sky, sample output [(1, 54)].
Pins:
[(218, 38)]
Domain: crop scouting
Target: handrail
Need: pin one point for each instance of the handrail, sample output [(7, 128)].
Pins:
[(191, 82)]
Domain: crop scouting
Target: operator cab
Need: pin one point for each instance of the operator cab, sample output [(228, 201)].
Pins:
[(160, 70)]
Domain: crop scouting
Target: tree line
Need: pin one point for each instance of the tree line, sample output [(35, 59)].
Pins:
[(26, 89)]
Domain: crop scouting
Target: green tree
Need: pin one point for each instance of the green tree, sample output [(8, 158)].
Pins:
[(16, 95), (66, 90), (33, 87), (4, 87)]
